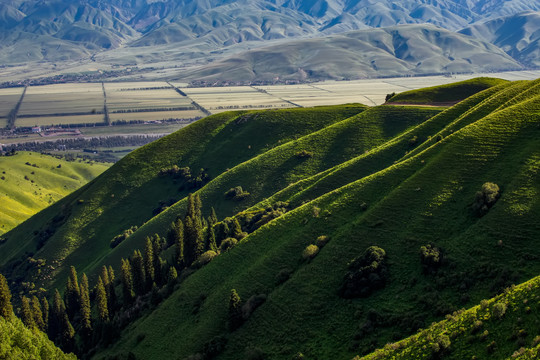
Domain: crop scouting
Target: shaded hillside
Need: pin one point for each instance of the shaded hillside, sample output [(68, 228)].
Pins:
[(431, 193), (363, 223), (517, 35), (19, 342), (30, 182), (504, 327), (393, 51)]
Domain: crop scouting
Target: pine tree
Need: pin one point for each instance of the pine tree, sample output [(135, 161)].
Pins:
[(6, 309), (191, 207), (111, 291), (210, 239), (157, 244), (55, 316), (45, 309), (198, 207), (86, 312), (139, 276), (190, 241), (236, 229), (235, 311), (127, 282), (37, 313), (27, 316), (101, 301), (176, 236), (149, 263), (212, 219), (72, 294)]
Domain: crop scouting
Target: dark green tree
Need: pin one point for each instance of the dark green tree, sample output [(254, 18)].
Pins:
[(38, 313), (235, 311), (149, 263), (127, 282), (27, 316), (72, 294), (193, 240), (212, 219), (101, 301), (45, 309), (176, 237), (139, 276), (86, 312), (210, 238), (6, 309), (236, 230), (111, 291)]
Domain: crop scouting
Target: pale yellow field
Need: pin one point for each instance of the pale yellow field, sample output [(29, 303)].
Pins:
[(221, 99), (59, 120), (156, 115), (8, 99), (3, 122), (136, 85), (62, 99), (145, 99)]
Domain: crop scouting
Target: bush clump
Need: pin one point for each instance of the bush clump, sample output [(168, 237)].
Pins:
[(123, 236), (431, 258), (310, 252), (228, 244), (304, 154), (486, 198), (205, 258), (366, 274), (498, 310), (322, 241), (236, 193)]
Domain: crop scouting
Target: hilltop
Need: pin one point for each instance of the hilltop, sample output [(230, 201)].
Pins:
[(365, 223), (31, 181)]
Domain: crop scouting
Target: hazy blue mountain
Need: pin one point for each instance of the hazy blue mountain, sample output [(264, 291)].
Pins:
[(518, 35)]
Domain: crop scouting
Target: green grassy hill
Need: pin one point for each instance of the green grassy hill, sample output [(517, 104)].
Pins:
[(30, 182), (504, 327), (19, 342), (401, 178)]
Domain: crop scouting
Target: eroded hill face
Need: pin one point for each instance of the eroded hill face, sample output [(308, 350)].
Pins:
[(121, 36), (363, 223)]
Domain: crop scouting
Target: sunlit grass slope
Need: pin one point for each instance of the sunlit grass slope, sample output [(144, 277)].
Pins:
[(29, 182), (130, 191), (445, 94), (423, 199), (503, 327)]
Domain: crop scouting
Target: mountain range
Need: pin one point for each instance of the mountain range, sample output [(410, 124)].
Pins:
[(190, 33)]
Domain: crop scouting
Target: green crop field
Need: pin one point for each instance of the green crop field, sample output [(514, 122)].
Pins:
[(30, 182), (8, 100), (340, 229), (59, 120), (157, 115)]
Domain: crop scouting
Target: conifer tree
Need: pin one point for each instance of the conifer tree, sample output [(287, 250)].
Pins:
[(72, 294), (105, 278), (55, 316), (127, 282), (27, 316), (37, 313), (149, 263), (198, 207), (101, 301), (111, 291), (191, 206), (236, 229), (235, 311), (6, 309), (176, 235), (210, 239), (45, 309), (139, 276), (86, 312), (190, 241), (157, 244), (60, 328), (212, 219)]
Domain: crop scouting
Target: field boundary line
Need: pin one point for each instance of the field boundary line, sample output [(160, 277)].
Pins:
[(267, 93), (106, 117), (12, 115), (193, 102)]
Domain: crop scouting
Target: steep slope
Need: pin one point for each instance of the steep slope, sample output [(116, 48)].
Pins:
[(503, 327), (30, 182), (424, 199), (392, 51), (19, 342), (518, 35), (363, 177), (133, 191)]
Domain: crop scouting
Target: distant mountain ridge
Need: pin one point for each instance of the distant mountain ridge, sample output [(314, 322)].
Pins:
[(75, 29)]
